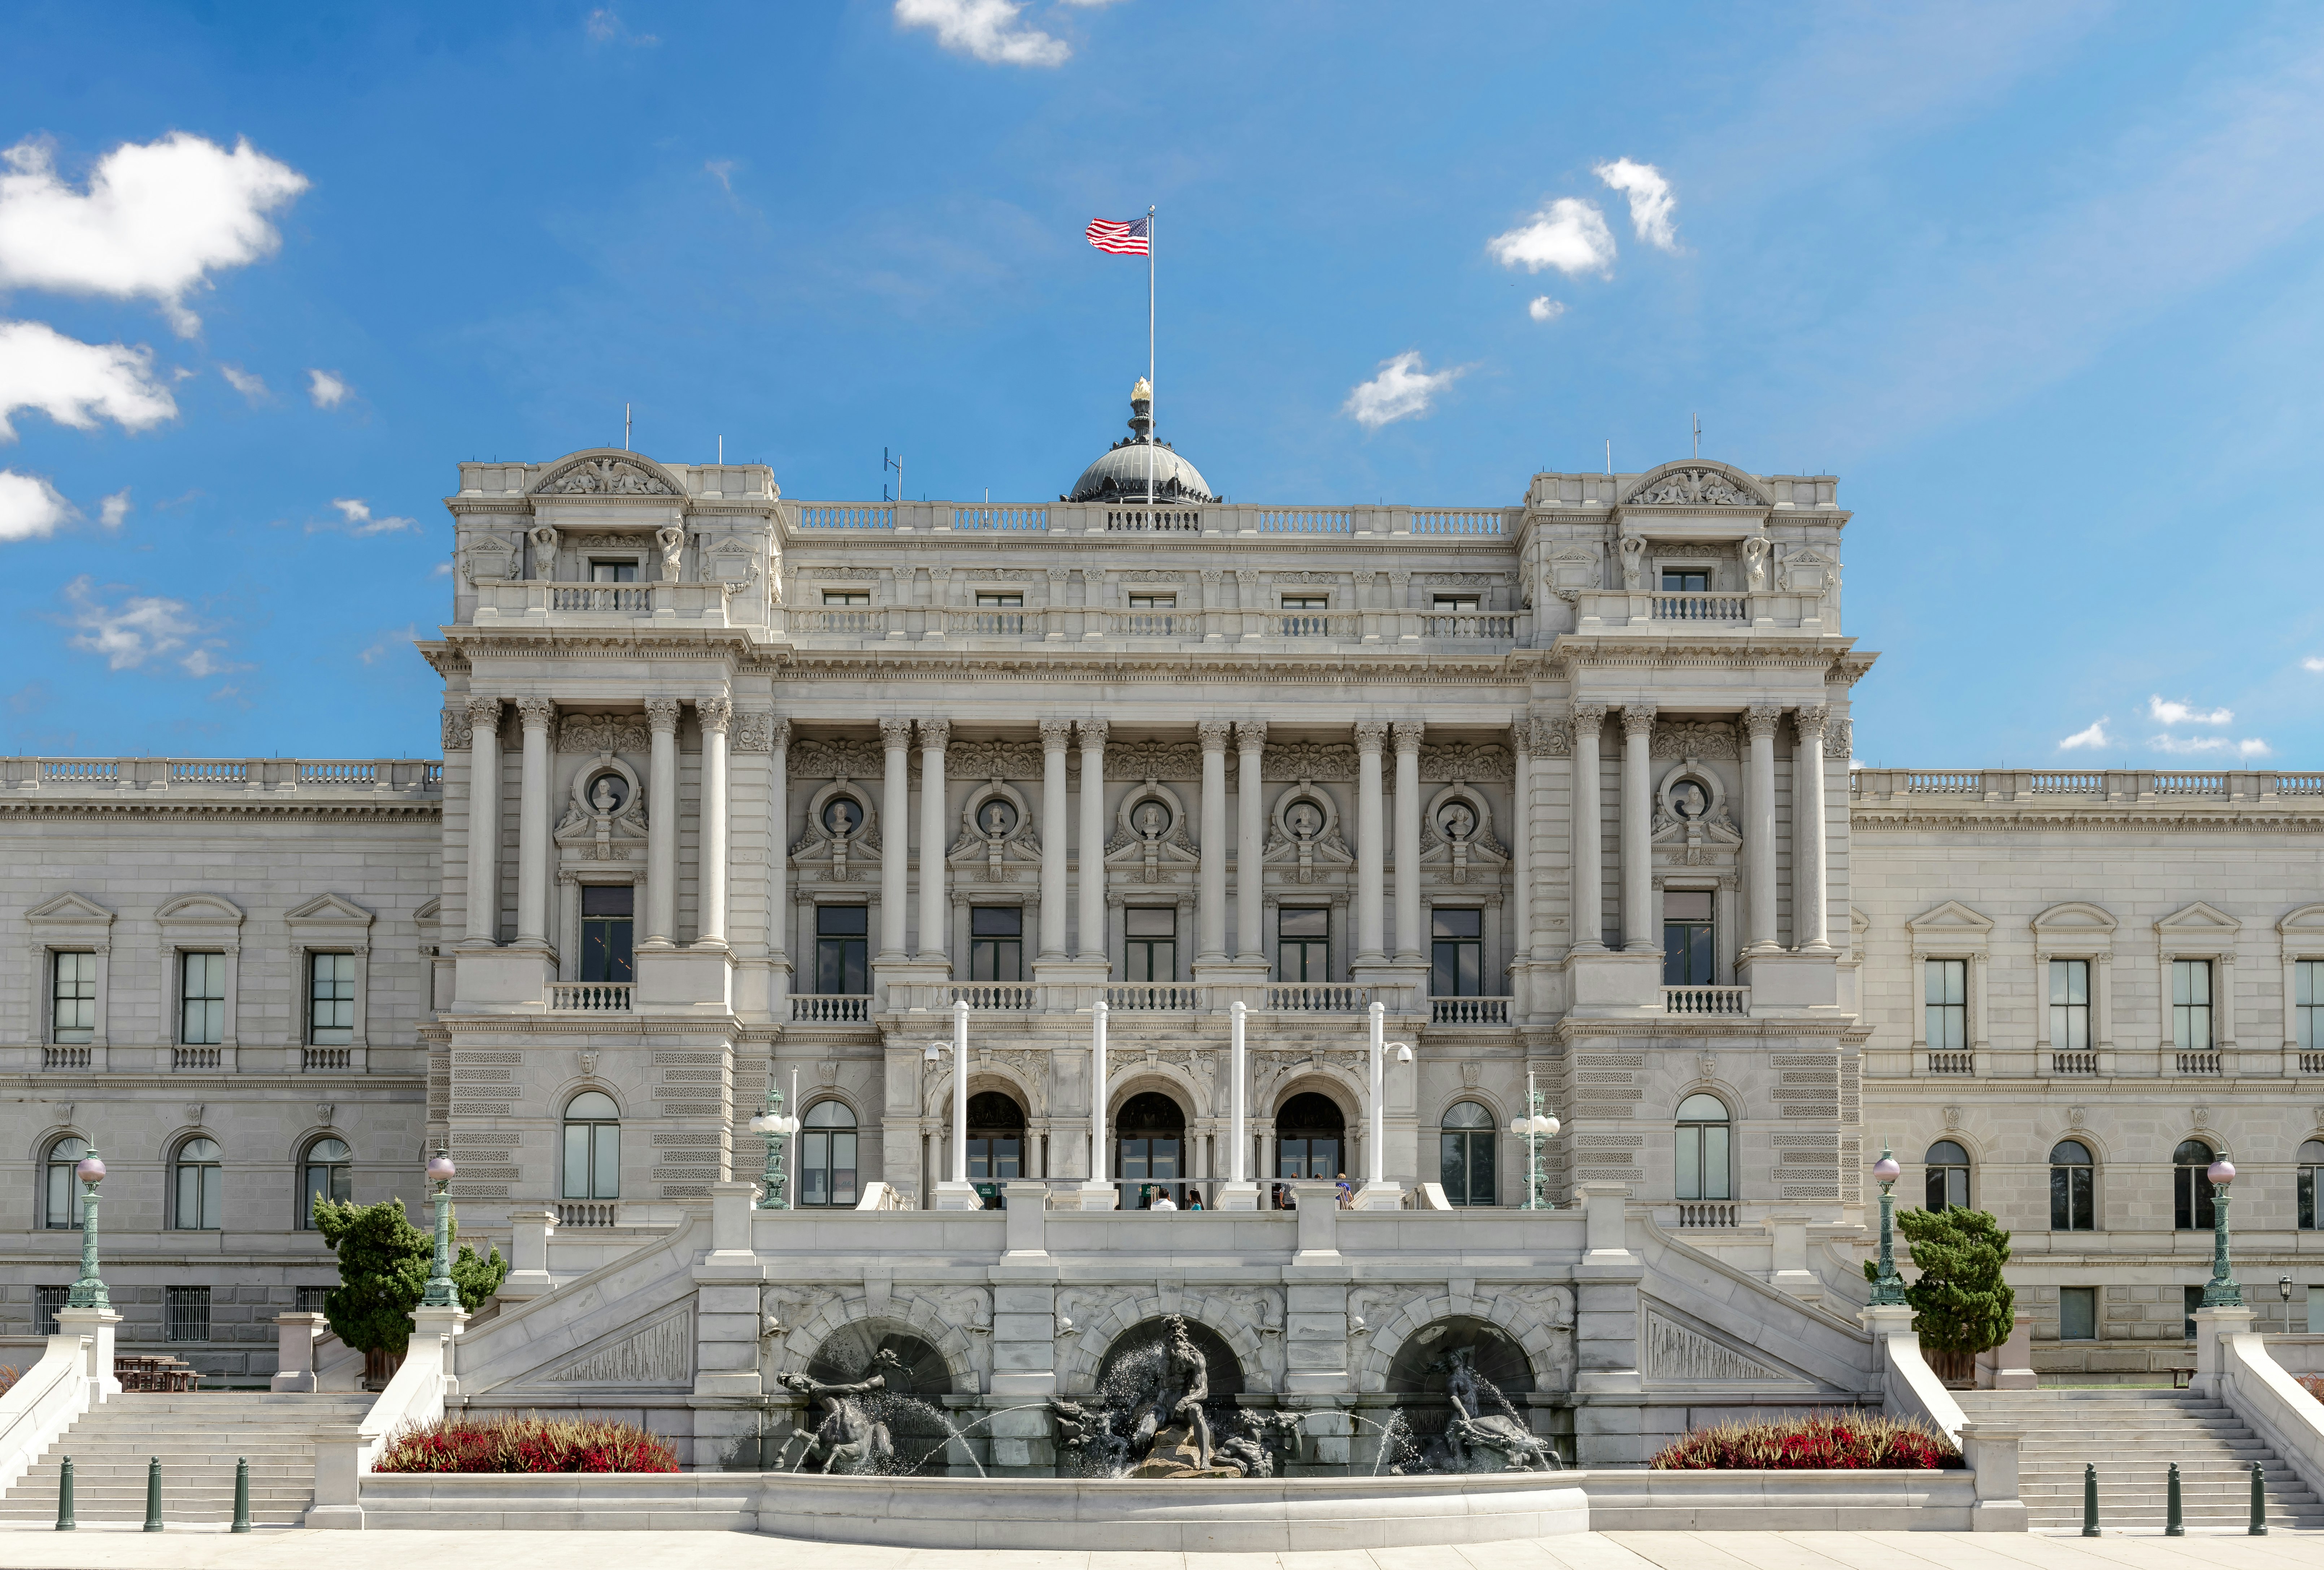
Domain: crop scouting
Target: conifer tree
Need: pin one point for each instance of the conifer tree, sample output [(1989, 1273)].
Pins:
[(383, 1264)]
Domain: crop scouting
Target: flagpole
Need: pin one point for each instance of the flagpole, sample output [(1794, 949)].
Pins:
[(1153, 435)]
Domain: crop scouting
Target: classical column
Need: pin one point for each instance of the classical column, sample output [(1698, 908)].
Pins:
[(1092, 933), (1250, 841), (1638, 936), (1759, 831), (1808, 875), (1371, 832), (779, 840), (537, 714), (933, 734), (484, 823), (895, 851), (1407, 840), (1589, 835), (715, 714), (1055, 734), (661, 826), (1522, 734), (1212, 921)]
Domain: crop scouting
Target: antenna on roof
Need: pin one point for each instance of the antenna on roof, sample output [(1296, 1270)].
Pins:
[(625, 430), (897, 464), (1698, 435), (722, 452), (1609, 458)]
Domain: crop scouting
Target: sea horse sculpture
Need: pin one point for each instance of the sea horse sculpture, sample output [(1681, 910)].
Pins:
[(1473, 1440), (848, 1439)]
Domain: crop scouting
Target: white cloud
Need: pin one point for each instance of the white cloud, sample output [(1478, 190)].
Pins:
[(441, 569), (327, 389), (136, 629), (985, 30), (356, 519), (722, 169), (603, 26), (395, 641), (249, 384), (2312, 663), (2164, 711), (77, 383), (1569, 235), (113, 510), (1544, 309), (1650, 199), (2249, 747), (30, 507), (2094, 737), (156, 219), (1402, 391)]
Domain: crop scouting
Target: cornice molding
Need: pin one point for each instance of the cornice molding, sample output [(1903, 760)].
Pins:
[(426, 809), (2109, 820)]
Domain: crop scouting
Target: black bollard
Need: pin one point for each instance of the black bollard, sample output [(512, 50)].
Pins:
[(64, 1497), (152, 1493), (2089, 1500), (241, 1493), (2173, 1522), (2259, 1504)]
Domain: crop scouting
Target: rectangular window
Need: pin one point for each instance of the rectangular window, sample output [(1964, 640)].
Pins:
[(1154, 602), (1152, 942), (1686, 580), (612, 572), (2191, 1299), (1688, 957), (46, 1301), (608, 924), (72, 998), (2078, 1313), (841, 944), (1303, 937), (310, 1299), (1003, 602), (996, 942), (186, 1312), (1456, 951), (846, 596), (1458, 605), (2070, 1006), (201, 999), (1306, 602), (330, 999), (1945, 1009), (2190, 1004), (2073, 1197), (2307, 1003)]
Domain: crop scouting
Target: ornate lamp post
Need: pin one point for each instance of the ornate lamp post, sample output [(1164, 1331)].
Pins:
[(1889, 1289), (775, 1126), (1533, 1127), (440, 1292), (2222, 1291), (89, 1292)]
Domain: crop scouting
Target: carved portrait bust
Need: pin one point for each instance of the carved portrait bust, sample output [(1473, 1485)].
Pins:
[(1689, 799), (1152, 819), (1304, 821), (608, 794), (842, 816), (1458, 822), (996, 818)]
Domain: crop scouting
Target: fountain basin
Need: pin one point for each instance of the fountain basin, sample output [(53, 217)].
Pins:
[(1258, 1515)]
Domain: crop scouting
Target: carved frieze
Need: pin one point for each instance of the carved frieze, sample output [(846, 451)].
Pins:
[(457, 732), (1465, 760), (1675, 1352), (1695, 739), (1308, 760), (753, 733), (836, 758), (1839, 739), (661, 1353), (1153, 761), (1691, 488), (1319, 578), (603, 733), (605, 477)]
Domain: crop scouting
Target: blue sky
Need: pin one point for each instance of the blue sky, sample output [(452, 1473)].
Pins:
[(2039, 283)]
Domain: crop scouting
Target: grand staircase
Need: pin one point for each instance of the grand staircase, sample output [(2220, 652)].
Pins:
[(2132, 1436), (198, 1438)]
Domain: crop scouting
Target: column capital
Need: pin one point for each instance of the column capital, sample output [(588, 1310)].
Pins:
[(536, 712), (1809, 720), (1638, 719), (778, 734), (896, 734), (1370, 735), (935, 735), (1092, 733), (714, 712), (1250, 735), (661, 713), (1589, 717), (1215, 735), (1409, 734), (485, 712), (1761, 719), (1056, 734)]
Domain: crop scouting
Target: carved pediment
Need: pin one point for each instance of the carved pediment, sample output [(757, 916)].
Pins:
[(69, 907), (336, 909), (1695, 486), (606, 473), (205, 907)]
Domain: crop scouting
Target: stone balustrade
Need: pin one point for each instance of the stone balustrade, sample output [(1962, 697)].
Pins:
[(415, 777)]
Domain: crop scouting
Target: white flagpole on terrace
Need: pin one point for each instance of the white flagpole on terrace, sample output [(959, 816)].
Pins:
[(1153, 435)]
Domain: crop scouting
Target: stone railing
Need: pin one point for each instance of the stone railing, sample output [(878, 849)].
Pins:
[(326, 1059), (1952, 1063), (589, 997), (1693, 1214), (1156, 997), (501, 600), (808, 520), (1659, 610), (2201, 1064), (1321, 998), (986, 997), (2073, 1063), (1945, 787), (1181, 625), (197, 1059), (575, 1213), (1732, 1001), (831, 1007), (1468, 1010), (368, 776)]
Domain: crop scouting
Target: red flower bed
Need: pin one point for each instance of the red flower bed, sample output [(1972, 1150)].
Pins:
[(1821, 1441), (527, 1443), (2313, 1386)]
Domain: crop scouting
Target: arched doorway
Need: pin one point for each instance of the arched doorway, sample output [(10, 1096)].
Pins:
[(996, 1144), (1150, 1150), (1310, 1142)]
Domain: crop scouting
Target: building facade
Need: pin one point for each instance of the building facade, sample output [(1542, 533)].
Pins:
[(740, 791)]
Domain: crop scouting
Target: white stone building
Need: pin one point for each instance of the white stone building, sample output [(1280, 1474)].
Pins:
[(769, 785)]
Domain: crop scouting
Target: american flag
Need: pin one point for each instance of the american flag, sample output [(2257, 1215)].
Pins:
[(1119, 239)]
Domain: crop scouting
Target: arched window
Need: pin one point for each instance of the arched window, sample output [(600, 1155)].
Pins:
[(64, 1190), (826, 1162), (200, 1182), (593, 1147), (2190, 1186), (1310, 1135), (996, 1143), (2311, 1179), (1467, 1154), (1149, 1139), (328, 1175), (1947, 1165), (1704, 1168), (2073, 1187)]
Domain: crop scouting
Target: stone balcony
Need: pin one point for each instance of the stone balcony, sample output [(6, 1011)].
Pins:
[(1661, 615), (1438, 525), (1941, 788), (417, 778)]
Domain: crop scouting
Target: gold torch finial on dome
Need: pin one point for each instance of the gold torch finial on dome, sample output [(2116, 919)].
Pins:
[(1143, 393)]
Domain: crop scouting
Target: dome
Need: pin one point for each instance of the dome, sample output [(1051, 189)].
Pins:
[(1121, 472)]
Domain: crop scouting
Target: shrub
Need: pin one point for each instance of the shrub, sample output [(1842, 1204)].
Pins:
[(527, 1443), (1821, 1441), (383, 1264), (8, 1377), (1961, 1304), (2313, 1386)]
